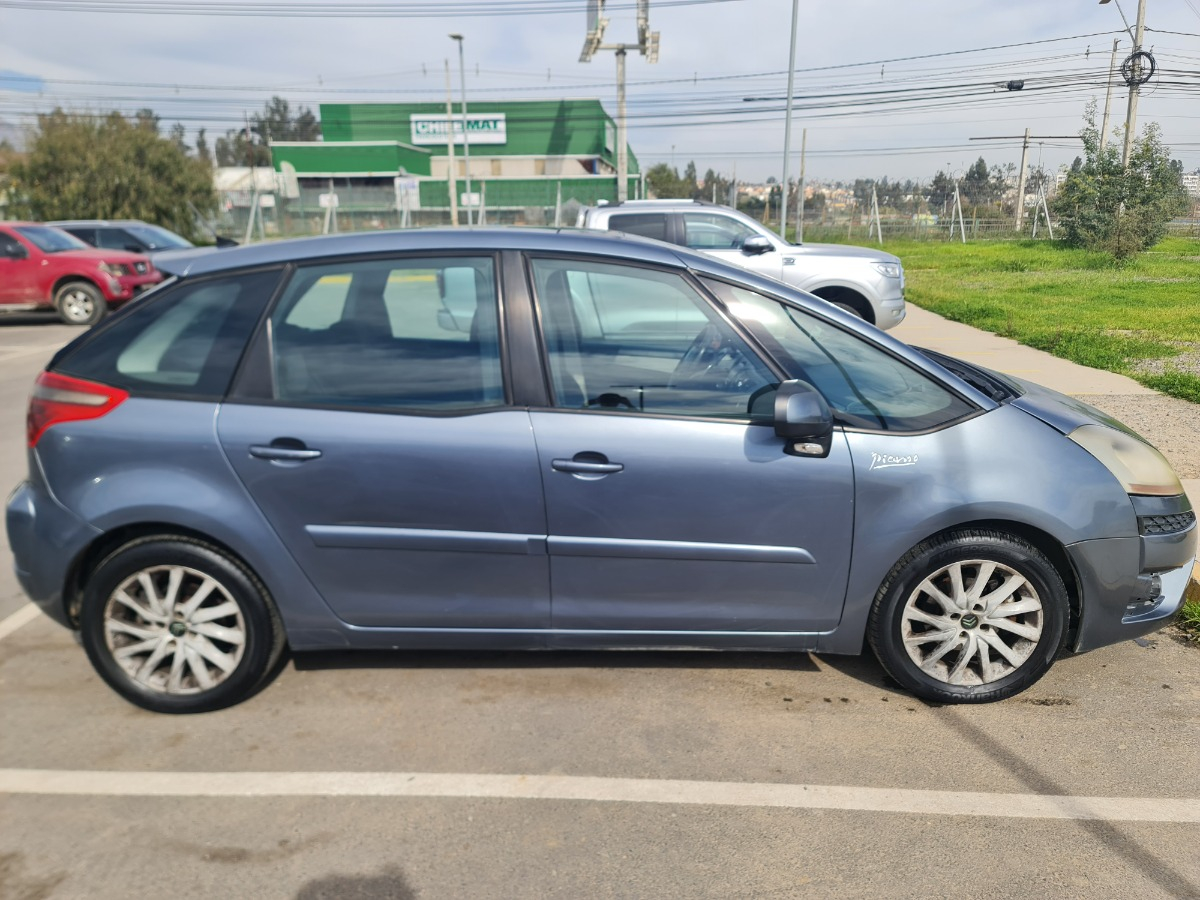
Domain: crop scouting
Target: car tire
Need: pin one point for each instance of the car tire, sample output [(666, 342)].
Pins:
[(175, 625), (80, 303), (971, 616), (848, 308)]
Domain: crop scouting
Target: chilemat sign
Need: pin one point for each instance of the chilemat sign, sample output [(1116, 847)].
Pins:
[(484, 128)]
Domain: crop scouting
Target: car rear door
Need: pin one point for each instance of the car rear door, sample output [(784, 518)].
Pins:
[(372, 425), (672, 506)]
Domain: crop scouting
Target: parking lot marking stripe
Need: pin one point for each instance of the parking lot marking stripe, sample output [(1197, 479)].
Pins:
[(22, 616), (601, 790)]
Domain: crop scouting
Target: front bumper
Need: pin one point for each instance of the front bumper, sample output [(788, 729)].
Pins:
[(1129, 587), (45, 539)]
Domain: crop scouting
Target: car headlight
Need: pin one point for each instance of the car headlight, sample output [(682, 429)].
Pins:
[(891, 270), (1139, 467), (116, 270)]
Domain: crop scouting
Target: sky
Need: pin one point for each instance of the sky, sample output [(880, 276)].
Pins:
[(884, 88)]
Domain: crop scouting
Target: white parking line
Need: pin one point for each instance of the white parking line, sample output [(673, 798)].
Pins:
[(22, 616), (603, 790)]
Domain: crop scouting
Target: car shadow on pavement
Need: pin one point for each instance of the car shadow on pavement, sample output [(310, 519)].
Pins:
[(551, 659), (1154, 868), (391, 885), (13, 320)]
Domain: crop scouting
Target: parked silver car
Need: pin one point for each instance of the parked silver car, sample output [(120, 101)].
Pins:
[(861, 280), (608, 442)]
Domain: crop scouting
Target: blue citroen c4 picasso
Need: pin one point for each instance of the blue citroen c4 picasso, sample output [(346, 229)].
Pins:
[(518, 438)]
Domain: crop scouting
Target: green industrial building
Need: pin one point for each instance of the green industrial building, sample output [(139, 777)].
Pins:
[(388, 164)]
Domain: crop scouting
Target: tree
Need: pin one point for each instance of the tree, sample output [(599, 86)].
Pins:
[(1121, 211), (110, 167), (202, 151), (664, 182), (277, 122)]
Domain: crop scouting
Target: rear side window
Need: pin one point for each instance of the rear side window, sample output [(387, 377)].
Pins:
[(651, 225), (418, 334), (185, 342)]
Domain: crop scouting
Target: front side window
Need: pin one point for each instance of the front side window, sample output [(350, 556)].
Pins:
[(403, 334), (865, 386), (711, 231), (117, 239), (633, 339), (186, 341), (651, 225)]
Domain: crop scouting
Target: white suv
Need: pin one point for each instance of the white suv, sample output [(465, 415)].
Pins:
[(861, 280)]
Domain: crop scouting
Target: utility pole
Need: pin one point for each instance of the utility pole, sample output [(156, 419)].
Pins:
[(1020, 218), (1112, 64), (787, 123), (1021, 182), (800, 199), (1134, 84), (647, 45), (451, 175), (462, 80)]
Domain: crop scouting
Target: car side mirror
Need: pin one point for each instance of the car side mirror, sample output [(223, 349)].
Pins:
[(803, 419), (15, 251), (757, 244)]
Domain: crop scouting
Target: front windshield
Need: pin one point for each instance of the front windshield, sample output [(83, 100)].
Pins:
[(51, 240), (156, 238), (863, 384)]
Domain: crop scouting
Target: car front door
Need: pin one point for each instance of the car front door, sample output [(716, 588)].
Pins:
[(672, 506), (371, 426), (18, 271), (725, 237)]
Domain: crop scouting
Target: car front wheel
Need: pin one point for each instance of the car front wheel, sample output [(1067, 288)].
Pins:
[(177, 626), (80, 303), (969, 617)]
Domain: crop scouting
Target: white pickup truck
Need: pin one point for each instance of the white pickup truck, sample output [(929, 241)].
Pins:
[(861, 280)]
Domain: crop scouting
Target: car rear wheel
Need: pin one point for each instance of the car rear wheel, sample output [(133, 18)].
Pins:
[(969, 617), (80, 303), (176, 626)]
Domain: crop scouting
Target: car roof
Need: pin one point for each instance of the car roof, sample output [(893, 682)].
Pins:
[(206, 260), (95, 223)]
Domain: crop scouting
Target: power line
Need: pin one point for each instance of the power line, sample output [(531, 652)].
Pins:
[(292, 9)]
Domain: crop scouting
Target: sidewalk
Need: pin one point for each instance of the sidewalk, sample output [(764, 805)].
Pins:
[(922, 328)]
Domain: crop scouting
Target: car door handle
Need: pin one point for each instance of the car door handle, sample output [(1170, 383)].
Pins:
[(289, 452), (585, 467)]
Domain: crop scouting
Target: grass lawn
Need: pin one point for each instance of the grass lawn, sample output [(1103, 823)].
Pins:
[(1141, 319)]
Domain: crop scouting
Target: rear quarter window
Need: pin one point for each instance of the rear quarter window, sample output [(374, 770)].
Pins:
[(651, 225), (185, 341)]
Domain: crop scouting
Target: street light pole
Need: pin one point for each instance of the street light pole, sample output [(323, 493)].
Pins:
[(787, 125), (462, 80), (622, 147)]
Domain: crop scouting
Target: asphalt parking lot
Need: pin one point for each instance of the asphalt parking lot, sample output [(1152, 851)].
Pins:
[(405, 775)]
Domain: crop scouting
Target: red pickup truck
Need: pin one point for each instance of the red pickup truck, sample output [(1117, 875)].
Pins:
[(42, 267)]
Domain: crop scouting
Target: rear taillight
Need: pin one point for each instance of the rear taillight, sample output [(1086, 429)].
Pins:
[(60, 398)]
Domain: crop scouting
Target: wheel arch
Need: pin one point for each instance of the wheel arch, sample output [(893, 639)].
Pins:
[(1046, 543), (840, 293), (63, 280), (110, 541)]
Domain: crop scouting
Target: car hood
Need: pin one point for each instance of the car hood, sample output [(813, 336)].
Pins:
[(843, 251), (1061, 412), (97, 255)]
